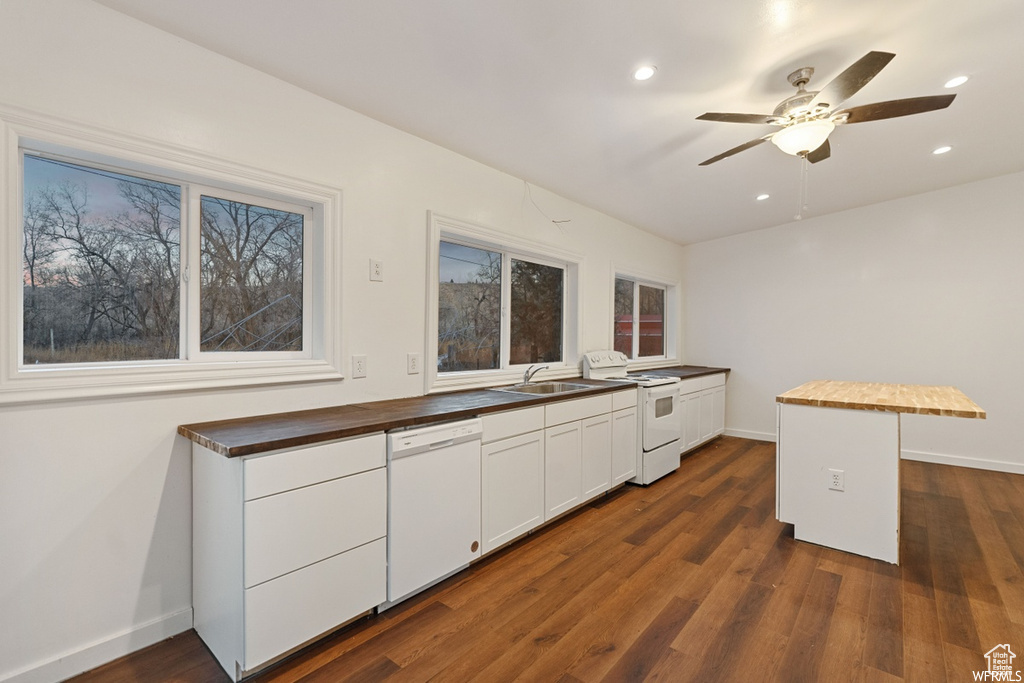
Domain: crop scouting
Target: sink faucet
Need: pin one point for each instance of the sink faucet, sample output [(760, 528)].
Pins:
[(531, 371)]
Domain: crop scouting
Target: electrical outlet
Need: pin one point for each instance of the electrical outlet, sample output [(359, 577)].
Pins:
[(376, 270), (414, 362), (837, 480), (358, 366)]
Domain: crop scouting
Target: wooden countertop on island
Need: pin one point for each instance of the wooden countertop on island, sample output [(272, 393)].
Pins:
[(899, 398)]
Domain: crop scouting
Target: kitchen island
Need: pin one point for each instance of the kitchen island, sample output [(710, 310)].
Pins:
[(838, 459)]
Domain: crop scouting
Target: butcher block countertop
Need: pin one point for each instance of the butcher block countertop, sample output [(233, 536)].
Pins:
[(898, 398), (262, 433)]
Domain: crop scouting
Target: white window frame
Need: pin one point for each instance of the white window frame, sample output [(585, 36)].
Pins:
[(194, 255), (322, 344), (671, 322), (444, 228)]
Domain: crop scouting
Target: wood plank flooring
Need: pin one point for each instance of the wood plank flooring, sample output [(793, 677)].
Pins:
[(693, 579)]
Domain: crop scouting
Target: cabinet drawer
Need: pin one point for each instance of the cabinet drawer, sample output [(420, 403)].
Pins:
[(580, 409), (624, 399), (284, 470), (509, 423), (297, 528), (688, 386), (286, 612), (711, 381)]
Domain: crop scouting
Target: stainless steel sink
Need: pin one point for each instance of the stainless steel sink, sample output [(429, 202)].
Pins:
[(544, 388)]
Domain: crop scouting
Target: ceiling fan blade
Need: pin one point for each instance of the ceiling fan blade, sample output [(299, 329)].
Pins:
[(823, 152), (735, 150), (856, 76), (893, 108), (738, 118)]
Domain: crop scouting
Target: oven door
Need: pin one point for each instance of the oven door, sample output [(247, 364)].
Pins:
[(662, 422)]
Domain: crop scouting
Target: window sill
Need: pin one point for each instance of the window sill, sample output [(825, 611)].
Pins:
[(62, 384)]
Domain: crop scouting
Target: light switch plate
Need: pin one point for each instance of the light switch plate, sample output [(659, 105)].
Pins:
[(358, 366)]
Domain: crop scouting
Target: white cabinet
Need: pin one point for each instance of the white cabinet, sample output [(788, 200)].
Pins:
[(512, 493), (596, 445), (286, 546), (563, 450), (563, 468), (624, 445), (540, 462), (718, 408), (702, 403)]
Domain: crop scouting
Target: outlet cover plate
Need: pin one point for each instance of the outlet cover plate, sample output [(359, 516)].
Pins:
[(358, 366)]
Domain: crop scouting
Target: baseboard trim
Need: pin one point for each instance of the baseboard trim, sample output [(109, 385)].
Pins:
[(963, 461), (746, 434), (103, 651)]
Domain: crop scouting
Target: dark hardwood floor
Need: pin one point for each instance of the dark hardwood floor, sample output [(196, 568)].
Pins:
[(693, 579)]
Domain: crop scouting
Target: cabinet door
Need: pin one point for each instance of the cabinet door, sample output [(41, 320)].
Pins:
[(596, 443), (718, 421), (707, 415), (624, 445), (513, 487), (691, 418), (562, 469)]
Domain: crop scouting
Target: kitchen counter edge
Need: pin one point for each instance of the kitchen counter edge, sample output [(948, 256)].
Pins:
[(275, 431)]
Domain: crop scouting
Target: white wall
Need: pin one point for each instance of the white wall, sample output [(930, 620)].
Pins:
[(95, 521), (923, 290)]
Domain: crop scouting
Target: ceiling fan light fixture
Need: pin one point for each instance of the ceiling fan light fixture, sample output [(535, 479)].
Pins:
[(802, 138), (644, 72)]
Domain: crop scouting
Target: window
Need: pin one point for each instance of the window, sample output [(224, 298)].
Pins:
[(640, 322), (101, 263), (102, 259), (138, 268), (499, 306)]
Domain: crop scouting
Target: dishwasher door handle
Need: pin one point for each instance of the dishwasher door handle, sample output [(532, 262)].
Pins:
[(441, 444)]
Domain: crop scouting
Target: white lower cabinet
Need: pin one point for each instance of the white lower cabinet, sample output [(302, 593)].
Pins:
[(539, 462), (563, 468), (512, 492), (702, 403), (624, 444), (596, 448), (287, 546)]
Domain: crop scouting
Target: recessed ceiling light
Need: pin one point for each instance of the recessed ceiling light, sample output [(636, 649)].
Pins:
[(762, 197), (644, 72), (953, 82), (941, 150)]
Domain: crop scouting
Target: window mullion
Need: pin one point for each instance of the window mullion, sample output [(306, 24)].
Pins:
[(184, 273), (636, 321), (194, 225), (506, 310)]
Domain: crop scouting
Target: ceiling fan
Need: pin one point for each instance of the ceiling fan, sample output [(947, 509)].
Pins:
[(808, 117)]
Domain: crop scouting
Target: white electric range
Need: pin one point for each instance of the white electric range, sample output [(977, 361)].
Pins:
[(659, 422)]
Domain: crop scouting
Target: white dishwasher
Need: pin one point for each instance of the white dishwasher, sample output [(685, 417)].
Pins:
[(433, 504)]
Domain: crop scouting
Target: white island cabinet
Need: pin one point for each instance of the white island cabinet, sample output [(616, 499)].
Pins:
[(287, 545), (838, 459)]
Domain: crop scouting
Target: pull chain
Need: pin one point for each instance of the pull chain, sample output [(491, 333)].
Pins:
[(803, 198)]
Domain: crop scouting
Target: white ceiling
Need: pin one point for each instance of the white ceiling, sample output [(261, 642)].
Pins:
[(542, 89)]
